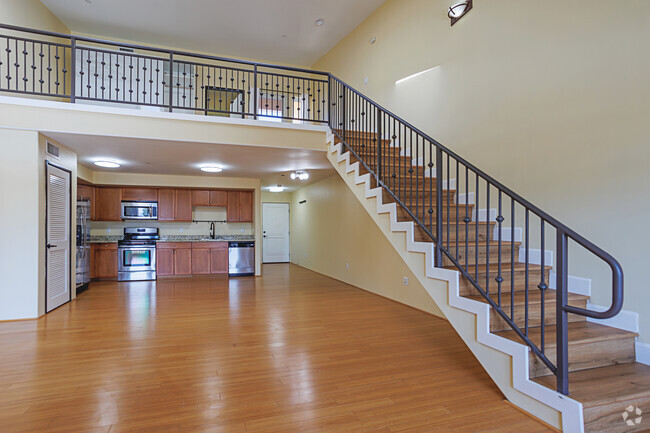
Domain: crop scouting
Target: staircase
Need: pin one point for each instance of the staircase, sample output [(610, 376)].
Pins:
[(495, 268)]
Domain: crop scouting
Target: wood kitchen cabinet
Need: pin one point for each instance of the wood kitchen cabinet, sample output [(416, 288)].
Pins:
[(104, 260), (209, 258), (201, 197), (173, 258), (108, 205), (183, 205), (139, 194), (174, 204), (240, 206)]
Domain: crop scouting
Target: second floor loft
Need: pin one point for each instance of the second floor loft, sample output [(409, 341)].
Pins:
[(79, 69)]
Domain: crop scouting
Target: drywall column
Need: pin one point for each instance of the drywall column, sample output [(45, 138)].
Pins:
[(19, 219)]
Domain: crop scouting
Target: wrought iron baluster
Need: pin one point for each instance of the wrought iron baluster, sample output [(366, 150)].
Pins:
[(542, 286), (512, 258), (499, 278), (526, 260)]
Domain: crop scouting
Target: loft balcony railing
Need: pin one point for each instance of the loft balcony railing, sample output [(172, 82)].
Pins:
[(479, 226), (81, 69)]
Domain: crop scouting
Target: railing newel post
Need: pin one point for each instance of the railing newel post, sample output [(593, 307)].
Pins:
[(73, 68), (438, 168), (171, 84), (378, 141), (255, 92), (562, 330)]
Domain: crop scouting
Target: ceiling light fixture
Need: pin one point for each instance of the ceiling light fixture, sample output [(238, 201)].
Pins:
[(319, 22), (302, 175), (459, 10), (277, 188), (107, 164), (211, 169)]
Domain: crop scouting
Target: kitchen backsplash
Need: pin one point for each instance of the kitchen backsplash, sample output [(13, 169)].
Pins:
[(99, 228)]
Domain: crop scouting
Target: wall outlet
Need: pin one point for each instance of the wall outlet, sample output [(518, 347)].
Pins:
[(108, 230), (405, 281), (347, 266), (242, 230), (180, 229)]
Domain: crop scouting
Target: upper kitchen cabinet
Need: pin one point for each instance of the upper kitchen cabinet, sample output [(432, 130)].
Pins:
[(240, 206), (108, 204), (183, 205), (201, 197), (174, 204), (139, 194)]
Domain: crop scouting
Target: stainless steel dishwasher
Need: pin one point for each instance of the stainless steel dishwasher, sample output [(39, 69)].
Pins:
[(241, 258)]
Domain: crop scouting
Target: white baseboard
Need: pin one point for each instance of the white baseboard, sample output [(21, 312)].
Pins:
[(642, 352), (577, 285), (482, 215), (626, 320)]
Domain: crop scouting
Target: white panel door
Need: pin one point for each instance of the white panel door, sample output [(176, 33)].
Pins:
[(275, 226), (57, 267)]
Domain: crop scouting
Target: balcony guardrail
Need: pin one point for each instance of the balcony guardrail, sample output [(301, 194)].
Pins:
[(78, 69)]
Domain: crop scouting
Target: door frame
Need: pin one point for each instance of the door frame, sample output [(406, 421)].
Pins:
[(289, 215), (70, 227)]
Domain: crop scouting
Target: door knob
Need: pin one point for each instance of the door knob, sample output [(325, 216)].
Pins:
[(51, 246)]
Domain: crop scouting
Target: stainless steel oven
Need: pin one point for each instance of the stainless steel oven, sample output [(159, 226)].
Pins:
[(139, 210), (137, 254)]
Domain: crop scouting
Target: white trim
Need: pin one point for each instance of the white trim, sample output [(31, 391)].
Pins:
[(535, 256), (464, 198), (506, 234), (483, 215), (626, 320), (577, 285), (158, 115), (642, 352), (451, 303)]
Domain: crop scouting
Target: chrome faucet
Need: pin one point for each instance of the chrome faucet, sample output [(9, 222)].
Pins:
[(213, 235)]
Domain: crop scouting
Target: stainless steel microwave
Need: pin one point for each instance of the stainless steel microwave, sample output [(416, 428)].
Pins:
[(139, 210)]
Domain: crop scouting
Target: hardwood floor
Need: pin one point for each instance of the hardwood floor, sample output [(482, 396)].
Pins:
[(292, 351)]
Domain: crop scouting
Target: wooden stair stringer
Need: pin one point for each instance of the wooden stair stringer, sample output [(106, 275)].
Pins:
[(468, 317)]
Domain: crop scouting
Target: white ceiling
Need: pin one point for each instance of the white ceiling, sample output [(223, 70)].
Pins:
[(276, 31), (271, 165)]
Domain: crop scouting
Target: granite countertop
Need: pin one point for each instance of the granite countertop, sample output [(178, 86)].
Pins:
[(100, 239)]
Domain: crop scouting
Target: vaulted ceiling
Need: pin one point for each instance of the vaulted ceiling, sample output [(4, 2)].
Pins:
[(275, 31)]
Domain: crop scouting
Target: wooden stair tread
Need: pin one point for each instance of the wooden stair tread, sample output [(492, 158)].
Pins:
[(481, 243), (579, 332), (606, 385), (471, 269), (534, 297)]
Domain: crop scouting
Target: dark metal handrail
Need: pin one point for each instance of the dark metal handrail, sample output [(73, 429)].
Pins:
[(352, 120)]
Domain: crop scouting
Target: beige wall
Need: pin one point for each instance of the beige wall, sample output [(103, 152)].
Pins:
[(553, 104), (333, 229), (20, 220), (30, 13)]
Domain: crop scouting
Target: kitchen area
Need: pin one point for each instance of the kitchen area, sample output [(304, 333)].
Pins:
[(135, 233)]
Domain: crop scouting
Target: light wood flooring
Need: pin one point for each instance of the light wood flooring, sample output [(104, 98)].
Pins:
[(292, 351)]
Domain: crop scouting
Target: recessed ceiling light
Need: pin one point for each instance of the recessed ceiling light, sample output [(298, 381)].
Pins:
[(211, 169), (107, 164), (319, 22), (277, 188)]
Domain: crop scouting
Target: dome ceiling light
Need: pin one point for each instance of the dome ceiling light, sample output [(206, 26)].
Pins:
[(458, 10)]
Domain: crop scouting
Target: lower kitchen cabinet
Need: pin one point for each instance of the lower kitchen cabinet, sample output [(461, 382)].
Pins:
[(104, 260), (209, 258), (173, 258)]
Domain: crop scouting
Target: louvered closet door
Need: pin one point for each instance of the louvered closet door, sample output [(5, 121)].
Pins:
[(57, 273)]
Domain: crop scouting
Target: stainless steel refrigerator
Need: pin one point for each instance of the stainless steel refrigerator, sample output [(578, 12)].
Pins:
[(83, 242)]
